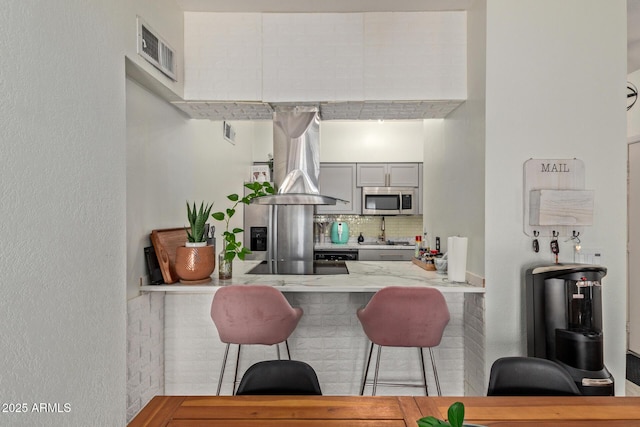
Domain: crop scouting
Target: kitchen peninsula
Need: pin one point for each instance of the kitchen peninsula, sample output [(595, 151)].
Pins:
[(329, 336)]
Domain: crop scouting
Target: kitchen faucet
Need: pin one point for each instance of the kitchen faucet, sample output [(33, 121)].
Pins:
[(383, 237)]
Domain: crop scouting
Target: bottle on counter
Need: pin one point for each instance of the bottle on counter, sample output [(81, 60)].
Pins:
[(360, 238), (418, 246)]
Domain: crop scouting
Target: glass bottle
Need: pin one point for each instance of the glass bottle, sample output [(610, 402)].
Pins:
[(225, 268)]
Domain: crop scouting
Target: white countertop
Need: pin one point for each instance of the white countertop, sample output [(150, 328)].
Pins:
[(364, 276)]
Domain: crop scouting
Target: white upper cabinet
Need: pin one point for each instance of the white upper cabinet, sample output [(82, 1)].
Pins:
[(388, 175), (339, 180), (312, 57), (223, 56), (413, 56), (295, 57)]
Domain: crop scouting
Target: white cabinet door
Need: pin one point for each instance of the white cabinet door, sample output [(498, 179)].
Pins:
[(388, 175), (403, 175), (339, 180), (372, 174)]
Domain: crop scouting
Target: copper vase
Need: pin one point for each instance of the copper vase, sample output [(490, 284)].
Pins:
[(195, 264)]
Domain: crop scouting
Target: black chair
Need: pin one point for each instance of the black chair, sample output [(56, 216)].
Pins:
[(279, 377), (530, 376)]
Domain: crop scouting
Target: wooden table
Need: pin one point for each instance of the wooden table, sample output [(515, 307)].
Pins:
[(384, 411), (539, 411), (278, 411)]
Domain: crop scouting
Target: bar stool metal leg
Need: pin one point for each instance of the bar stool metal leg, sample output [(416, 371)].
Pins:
[(286, 344), (424, 372), (366, 370), (235, 376), (435, 371), (224, 363), (375, 376)]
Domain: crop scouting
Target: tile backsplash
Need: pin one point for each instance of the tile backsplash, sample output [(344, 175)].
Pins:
[(396, 227)]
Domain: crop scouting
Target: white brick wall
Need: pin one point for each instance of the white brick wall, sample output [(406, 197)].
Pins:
[(145, 350), (474, 344), (329, 338)]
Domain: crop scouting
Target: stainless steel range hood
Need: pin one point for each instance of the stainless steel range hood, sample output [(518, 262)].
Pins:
[(296, 169), (296, 158)]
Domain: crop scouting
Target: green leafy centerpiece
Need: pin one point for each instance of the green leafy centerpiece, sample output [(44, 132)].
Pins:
[(455, 418), (232, 246)]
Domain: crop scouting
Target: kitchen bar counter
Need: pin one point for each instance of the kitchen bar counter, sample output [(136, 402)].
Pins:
[(329, 336), (364, 276)]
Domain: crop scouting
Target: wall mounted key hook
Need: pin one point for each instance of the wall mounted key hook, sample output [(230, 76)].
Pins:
[(536, 244), (555, 248)]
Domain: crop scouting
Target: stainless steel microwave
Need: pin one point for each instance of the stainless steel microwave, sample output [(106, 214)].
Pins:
[(389, 201)]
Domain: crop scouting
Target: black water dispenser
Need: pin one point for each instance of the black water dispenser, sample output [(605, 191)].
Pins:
[(564, 322)]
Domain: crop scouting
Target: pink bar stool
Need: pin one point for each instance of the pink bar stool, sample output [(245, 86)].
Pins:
[(398, 316), (252, 314)]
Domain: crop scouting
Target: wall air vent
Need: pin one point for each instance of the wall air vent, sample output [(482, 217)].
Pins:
[(155, 50)]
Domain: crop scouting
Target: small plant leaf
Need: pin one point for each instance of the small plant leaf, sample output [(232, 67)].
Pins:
[(243, 252), (255, 186), (456, 414), (233, 197), (218, 216), (431, 421)]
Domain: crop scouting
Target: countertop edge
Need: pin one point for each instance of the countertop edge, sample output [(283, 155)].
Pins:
[(364, 276)]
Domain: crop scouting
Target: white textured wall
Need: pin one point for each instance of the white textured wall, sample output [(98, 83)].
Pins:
[(62, 204), (555, 93), (454, 159), (371, 141), (172, 159)]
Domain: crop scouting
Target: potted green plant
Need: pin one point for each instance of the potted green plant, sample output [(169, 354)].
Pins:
[(197, 221), (232, 246), (195, 261), (455, 418)]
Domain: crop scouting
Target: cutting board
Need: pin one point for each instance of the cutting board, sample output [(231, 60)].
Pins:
[(165, 242)]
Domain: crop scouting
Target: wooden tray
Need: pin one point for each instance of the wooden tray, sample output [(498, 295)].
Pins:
[(165, 242), (423, 265)]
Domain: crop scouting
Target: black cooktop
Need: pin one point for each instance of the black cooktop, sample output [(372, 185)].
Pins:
[(300, 267)]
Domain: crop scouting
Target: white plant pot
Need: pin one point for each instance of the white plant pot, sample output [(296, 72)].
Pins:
[(195, 244)]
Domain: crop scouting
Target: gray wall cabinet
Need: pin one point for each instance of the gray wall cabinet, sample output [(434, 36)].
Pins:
[(388, 175), (339, 180)]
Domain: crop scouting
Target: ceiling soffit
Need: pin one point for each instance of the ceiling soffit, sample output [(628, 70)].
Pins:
[(351, 110)]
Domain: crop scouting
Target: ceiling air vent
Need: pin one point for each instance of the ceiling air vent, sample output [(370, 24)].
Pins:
[(155, 50)]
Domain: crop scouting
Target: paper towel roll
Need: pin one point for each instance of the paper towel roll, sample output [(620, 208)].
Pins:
[(457, 255)]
